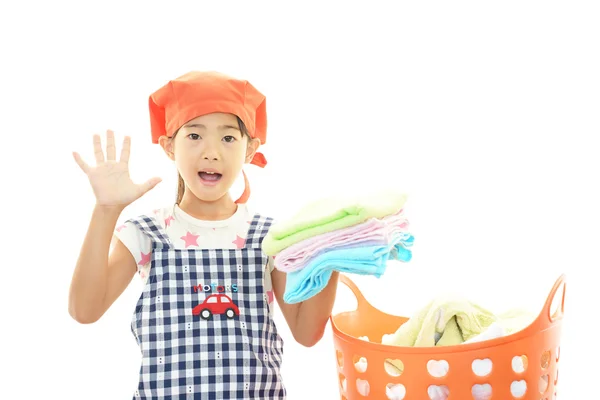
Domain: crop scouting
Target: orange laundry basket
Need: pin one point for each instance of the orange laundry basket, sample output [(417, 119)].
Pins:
[(526, 361)]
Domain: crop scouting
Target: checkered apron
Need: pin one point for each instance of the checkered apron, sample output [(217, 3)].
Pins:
[(203, 324)]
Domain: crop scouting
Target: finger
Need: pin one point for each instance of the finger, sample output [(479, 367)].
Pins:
[(84, 167), (125, 151), (149, 185), (98, 149), (110, 146)]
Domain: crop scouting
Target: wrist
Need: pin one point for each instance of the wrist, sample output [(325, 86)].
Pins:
[(109, 210)]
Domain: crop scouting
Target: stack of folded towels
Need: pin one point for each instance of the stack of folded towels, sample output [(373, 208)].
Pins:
[(350, 235)]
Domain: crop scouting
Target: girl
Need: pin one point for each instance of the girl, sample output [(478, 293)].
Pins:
[(204, 320)]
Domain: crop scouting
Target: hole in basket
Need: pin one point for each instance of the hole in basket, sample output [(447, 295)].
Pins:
[(343, 383), (557, 353), (519, 364), (363, 388), (545, 360), (340, 358), (518, 388), (395, 391), (543, 384), (482, 367), (556, 305), (481, 391), (556, 378), (360, 364), (438, 392), (365, 338), (437, 368), (393, 367)]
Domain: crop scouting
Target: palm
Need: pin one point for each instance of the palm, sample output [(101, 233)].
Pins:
[(112, 185), (110, 178)]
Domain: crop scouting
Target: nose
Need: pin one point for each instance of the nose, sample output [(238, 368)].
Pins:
[(211, 157), (210, 152)]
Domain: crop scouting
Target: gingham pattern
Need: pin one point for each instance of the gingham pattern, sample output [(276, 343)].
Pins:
[(187, 357)]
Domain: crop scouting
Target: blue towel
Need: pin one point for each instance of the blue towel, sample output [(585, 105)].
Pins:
[(306, 282)]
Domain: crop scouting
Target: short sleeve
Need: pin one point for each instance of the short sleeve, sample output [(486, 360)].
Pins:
[(270, 264), (138, 244)]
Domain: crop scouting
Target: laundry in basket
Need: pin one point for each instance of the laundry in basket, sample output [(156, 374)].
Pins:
[(452, 320)]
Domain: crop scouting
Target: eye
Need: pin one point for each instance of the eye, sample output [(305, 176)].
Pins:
[(229, 139), (194, 136)]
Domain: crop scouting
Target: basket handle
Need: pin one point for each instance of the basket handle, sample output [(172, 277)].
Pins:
[(561, 282), (361, 301)]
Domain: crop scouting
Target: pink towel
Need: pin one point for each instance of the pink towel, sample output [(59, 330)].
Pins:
[(374, 231)]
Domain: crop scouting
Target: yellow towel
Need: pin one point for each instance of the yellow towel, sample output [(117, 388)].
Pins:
[(448, 321)]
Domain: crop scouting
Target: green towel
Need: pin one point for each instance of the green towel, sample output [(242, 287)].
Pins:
[(330, 214), (448, 321)]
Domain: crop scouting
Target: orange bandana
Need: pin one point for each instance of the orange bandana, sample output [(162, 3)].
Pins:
[(199, 93)]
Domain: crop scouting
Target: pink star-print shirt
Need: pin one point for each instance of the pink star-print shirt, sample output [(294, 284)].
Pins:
[(187, 232)]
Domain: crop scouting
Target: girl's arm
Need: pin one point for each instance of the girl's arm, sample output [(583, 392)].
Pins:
[(307, 320), (100, 275)]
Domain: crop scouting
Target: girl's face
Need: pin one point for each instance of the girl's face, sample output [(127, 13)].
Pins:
[(209, 152)]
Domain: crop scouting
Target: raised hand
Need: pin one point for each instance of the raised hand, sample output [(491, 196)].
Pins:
[(110, 178)]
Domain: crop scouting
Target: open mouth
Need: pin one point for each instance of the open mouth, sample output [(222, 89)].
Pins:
[(210, 176)]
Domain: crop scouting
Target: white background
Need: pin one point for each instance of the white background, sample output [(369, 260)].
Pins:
[(487, 116)]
